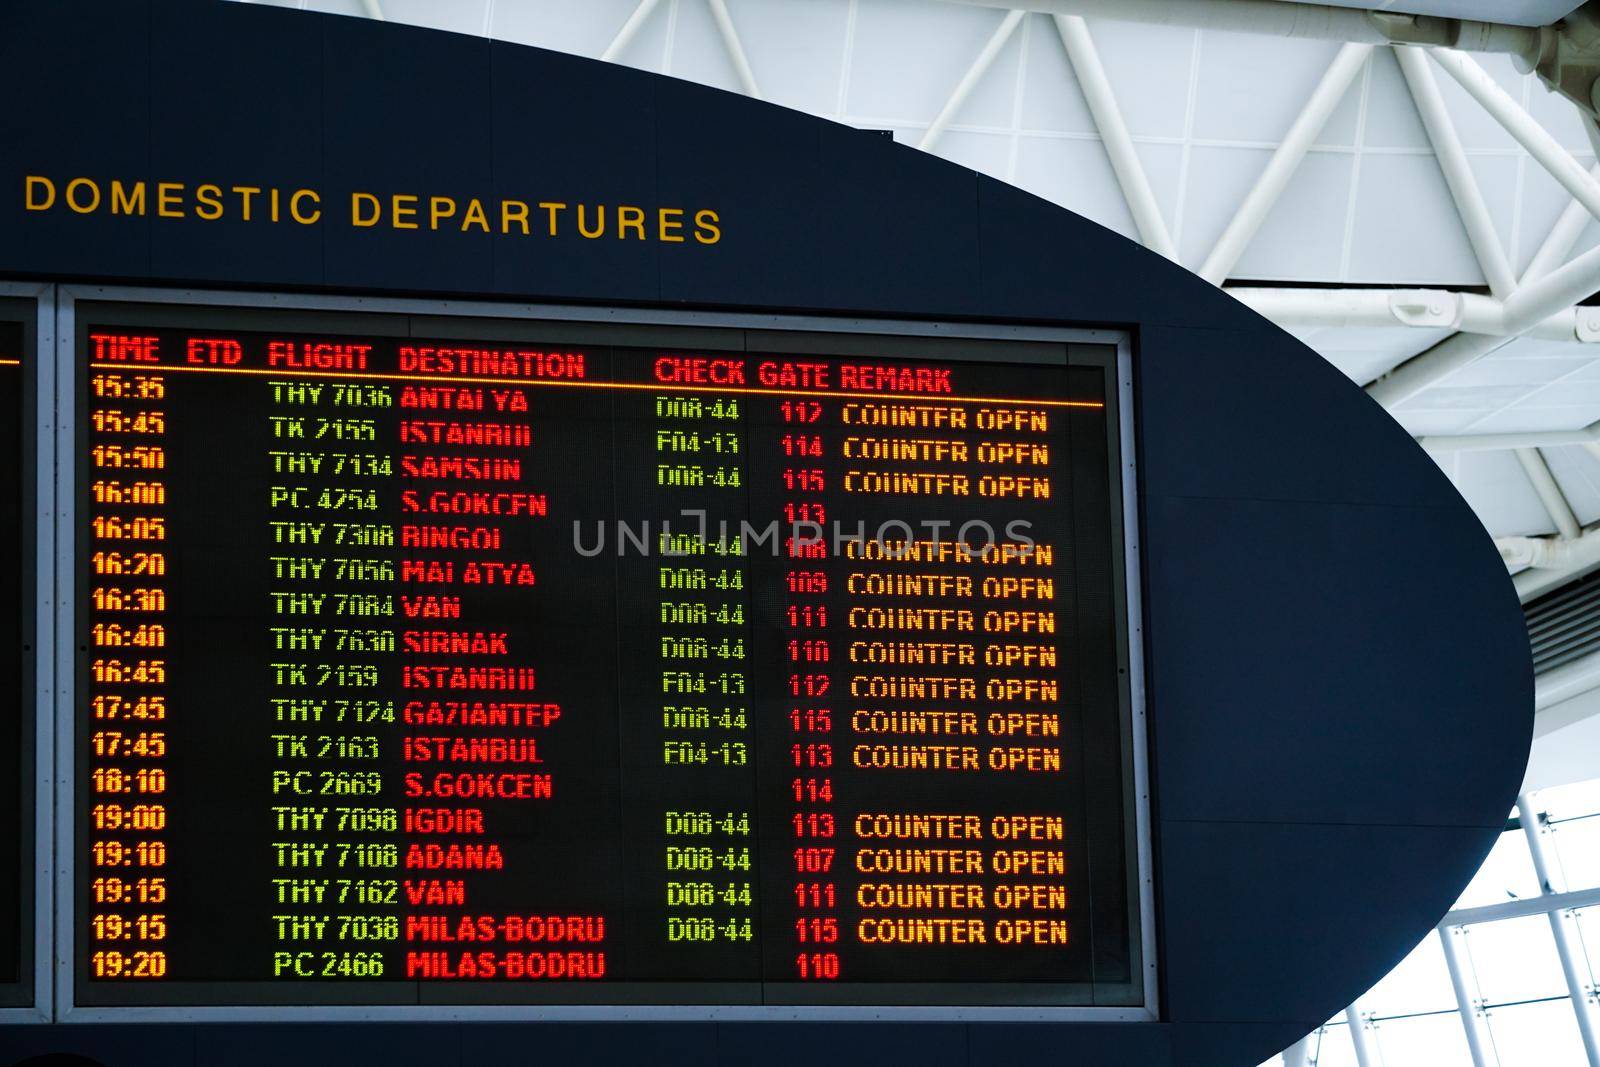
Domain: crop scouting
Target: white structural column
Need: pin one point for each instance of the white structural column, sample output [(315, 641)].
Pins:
[(735, 47), (373, 8), (1491, 255), (969, 80), (1281, 167), (1472, 1023), (1114, 135), (1561, 926), (1361, 1038), (1550, 495), (630, 29), (1299, 1053)]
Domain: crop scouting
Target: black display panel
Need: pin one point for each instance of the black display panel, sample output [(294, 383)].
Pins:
[(17, 720), (429, 661)]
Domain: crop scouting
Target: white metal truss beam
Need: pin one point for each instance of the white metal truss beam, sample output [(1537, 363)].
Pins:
[(969, 80), (1462, 350), (1523, 127), (1550, 495), (630, 30), (1441, 129), (1278, 18), (1563, 236), (1125, 163), (1551, 554), (1501, 442), (1427, 309), (373, 8), (1285, 160), (735, 47), (1551, 561)]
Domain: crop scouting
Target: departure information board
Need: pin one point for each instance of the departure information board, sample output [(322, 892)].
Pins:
[(450, 661), (16, 660)]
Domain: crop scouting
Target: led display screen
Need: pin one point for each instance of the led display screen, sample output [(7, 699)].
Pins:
[(453, 661)]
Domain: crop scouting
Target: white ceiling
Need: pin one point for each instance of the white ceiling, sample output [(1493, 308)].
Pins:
[(1367, 206)]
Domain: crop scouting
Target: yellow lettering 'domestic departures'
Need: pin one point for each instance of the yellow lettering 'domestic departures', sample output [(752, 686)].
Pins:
[(303, 206)]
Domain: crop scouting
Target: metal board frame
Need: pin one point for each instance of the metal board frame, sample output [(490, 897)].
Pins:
[(65, 697), (44, 401)]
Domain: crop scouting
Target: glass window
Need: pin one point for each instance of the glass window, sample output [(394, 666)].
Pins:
[(1537, 1035), (1334, 1049), (1515, 959), (1507, 874), (1574, 831), (1421, 983), (1423, 1041), (1510, 964), (1576, 847), (1565, 801)]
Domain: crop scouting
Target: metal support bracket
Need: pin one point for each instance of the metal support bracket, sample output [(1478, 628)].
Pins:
[(1567, 58)]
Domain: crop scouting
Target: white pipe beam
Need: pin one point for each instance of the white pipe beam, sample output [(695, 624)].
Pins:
[(1561, 928), (1526, 307), (969, 80), (1472, 1023), (1546, 287), (735, 47), (1428, 309), (1281, 167), (1558, 244), (1433, 309), (630, 30), (1277, 18), (1575, 280), (374, 9), (1442, 360), (1523, 127), (1550, 494), (1550, 554), (1125, 162), (1441, 129), (1454, 353), (1589, 436)]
